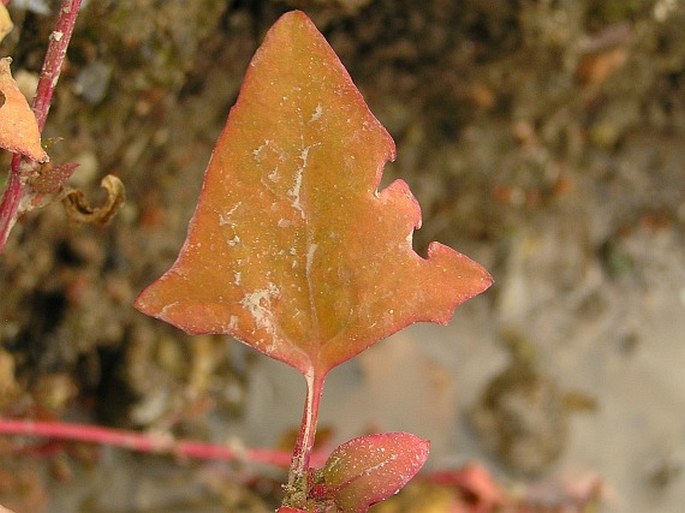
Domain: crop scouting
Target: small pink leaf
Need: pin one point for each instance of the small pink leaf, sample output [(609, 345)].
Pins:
[(284, 509), (476, 481), (370, 468), (292, 249)]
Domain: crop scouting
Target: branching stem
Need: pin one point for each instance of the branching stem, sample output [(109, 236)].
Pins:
[(144, 442), (16, 189)]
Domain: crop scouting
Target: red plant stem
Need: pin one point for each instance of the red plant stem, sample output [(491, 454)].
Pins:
[(54, 58), (10, 207), (143, 442), (302, 453)]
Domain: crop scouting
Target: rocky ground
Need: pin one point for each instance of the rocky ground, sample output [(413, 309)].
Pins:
[(544, 139)]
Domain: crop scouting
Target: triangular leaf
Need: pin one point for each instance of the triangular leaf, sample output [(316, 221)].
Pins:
[(370, 469), (18, 126), (291, 248)]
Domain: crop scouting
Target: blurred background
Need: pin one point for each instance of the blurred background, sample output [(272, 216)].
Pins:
[(543, 138)]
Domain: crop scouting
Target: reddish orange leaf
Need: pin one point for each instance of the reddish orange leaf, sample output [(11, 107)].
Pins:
[(291, 248), (18, 127)]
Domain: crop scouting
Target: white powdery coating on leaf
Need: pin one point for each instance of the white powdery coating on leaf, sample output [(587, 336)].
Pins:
[(310, 259), (258, 303), (164, 312), (318, 111), (410, 239), (273, 175), (232, 323), (296, 189), (257, 152), (225, 218)]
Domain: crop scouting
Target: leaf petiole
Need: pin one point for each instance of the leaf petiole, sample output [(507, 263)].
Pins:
[(299, 465)]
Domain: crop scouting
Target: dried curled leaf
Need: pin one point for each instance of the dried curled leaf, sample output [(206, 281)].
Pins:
[(78, 208), (18, 127), (50, 179), (292, 249), (369, 469)]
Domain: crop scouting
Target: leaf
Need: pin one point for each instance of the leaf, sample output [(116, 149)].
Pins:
[(291, 248), (50, 179), (371, 468), (18, 127), (476, 482), (79, 210)]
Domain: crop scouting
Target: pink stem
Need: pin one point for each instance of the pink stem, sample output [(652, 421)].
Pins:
[(54, 59), (301, 459), (10, 207), (142, 442)]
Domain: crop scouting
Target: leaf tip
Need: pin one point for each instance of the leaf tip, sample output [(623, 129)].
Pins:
[(473, 277)]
